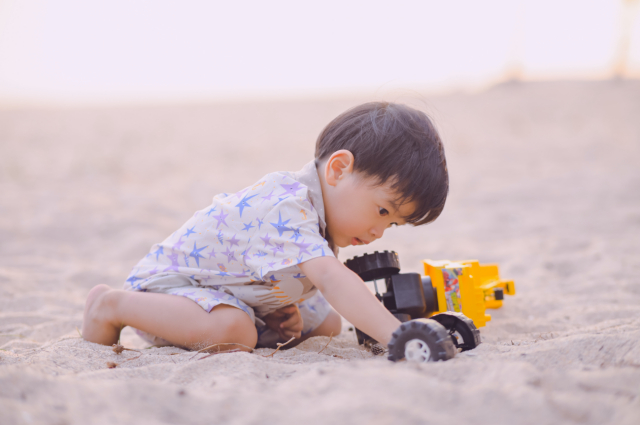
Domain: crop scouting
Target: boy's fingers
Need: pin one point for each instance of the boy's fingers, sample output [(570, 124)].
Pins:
[(288, 309), (292, 322), (277, 315), (288, 334)]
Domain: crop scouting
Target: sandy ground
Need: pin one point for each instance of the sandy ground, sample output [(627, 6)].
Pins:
[(545, 181)]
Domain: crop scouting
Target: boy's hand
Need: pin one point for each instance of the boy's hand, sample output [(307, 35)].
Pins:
[(286, 321), (348, 294)]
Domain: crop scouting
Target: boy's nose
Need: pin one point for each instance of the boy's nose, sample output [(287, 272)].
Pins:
[(376, 233)]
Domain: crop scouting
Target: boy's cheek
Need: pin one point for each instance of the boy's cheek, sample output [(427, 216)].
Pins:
[(338, 239)]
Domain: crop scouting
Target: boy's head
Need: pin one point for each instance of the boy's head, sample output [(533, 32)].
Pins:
[(380, 157)]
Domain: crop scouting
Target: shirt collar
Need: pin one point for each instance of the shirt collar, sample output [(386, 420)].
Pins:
[(308, 176)]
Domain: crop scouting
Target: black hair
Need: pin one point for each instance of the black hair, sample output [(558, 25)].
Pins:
[(393, 143)]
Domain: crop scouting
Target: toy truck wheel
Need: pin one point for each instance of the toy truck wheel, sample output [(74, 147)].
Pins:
[(463, 332), (375, 266), (421, 340)]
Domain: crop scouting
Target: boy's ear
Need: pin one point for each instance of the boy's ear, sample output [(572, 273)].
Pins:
[(339, 164)]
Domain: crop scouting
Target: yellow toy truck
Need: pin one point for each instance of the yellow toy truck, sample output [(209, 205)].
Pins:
[(467, 287), (451, 298)]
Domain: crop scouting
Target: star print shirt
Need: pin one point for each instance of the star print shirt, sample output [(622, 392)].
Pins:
[(248, 244)]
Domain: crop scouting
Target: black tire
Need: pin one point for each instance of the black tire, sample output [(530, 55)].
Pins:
[(431, 333), (378, 265), (468, 336)]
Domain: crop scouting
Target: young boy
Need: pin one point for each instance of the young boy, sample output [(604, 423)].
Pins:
[(246, 269)]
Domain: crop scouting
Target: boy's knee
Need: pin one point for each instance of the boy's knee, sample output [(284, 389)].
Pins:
[(240, 328)]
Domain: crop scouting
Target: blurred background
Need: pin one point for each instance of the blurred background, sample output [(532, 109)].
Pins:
[(73, 52), (120, 119)]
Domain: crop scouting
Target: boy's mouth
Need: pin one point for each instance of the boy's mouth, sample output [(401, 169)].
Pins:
[(357, 241)]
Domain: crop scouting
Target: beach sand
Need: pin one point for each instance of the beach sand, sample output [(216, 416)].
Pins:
[(545, 182)]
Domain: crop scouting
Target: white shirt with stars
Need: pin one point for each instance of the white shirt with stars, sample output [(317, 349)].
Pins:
[(248, 244)]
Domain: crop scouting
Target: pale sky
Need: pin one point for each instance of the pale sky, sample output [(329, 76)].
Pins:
[(142, 51)]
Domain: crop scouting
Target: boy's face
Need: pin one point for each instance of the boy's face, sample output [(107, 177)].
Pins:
[(358, 212)]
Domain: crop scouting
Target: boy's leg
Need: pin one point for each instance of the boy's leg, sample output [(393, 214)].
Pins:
[(174, 318)]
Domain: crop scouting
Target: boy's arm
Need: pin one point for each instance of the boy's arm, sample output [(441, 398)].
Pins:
[(348, 294)]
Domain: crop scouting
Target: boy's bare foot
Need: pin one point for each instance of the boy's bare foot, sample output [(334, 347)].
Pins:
[(96, 324), (174, 318)]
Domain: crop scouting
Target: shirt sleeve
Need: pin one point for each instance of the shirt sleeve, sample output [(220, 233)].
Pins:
[(289, 236)]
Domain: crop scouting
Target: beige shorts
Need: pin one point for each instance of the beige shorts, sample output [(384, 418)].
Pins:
[(313, 310)]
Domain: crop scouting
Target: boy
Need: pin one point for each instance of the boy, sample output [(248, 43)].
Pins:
[(246, 269)]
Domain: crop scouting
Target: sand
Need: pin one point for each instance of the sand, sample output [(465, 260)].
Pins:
[(545, 181)]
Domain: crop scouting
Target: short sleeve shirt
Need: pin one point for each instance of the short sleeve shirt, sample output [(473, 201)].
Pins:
[(248, 244)]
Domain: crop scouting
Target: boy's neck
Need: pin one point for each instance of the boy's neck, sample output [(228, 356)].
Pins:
[(324, 187)]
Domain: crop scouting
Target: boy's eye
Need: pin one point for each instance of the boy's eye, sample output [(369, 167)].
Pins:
[(383, 212)]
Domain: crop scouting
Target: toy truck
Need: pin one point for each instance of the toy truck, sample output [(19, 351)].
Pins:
[(451, 299), (467, 287)]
